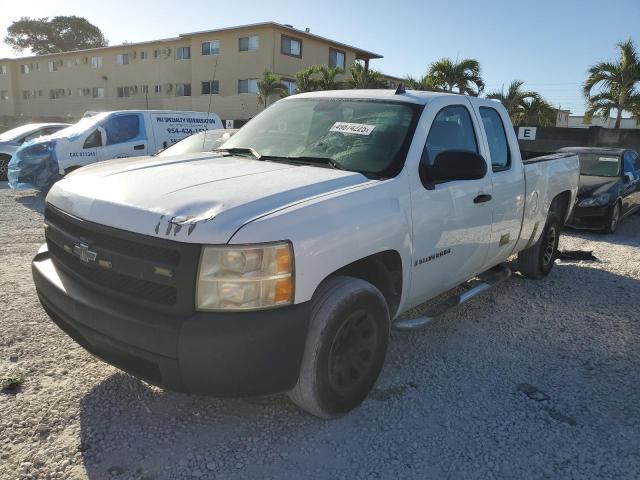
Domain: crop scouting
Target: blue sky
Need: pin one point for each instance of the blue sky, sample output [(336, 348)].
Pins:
[(548, 44)]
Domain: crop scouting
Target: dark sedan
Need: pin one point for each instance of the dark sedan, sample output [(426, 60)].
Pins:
[(609, 187)]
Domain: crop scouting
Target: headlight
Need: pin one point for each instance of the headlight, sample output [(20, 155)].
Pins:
[(252, 277), (595, 201)]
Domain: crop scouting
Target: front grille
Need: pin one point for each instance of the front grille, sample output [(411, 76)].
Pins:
[(150, 291), (126, 263), (140, 250)]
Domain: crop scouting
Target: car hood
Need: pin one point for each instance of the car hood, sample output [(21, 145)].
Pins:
[(195, 198), (592, 186)]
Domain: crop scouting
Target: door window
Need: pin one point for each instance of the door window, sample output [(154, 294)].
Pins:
[(452, 129), (497, 139), (122, 128)]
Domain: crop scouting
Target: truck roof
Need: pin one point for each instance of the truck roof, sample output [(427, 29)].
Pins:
[(410, 96)]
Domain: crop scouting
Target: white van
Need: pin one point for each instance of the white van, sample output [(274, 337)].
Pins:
[(103, 136)]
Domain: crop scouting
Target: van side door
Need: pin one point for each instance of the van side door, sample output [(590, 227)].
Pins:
[(451, 220), (507, 178), (125, 136)]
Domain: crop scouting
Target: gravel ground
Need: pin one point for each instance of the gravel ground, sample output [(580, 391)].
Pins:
[(536, 380)]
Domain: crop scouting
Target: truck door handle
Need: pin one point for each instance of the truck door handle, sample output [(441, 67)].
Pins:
[(139, 147), (483, 197)]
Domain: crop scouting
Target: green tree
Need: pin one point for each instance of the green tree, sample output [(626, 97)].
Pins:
[(270, 85), (612, 85), (457, 76), (362, 77), (327, 77), (306, 80), (60, 34), (538, 112), (424, 83), (514, 100)]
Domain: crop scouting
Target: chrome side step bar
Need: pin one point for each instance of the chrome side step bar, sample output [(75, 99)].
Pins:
[(475, 287)]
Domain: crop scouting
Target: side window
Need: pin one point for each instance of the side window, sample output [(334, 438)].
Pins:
[(122, 128), (94, 140), (452, 129), (497, 139)]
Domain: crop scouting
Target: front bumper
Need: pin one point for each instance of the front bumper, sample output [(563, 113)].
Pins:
[(590, 217), (220, 354)]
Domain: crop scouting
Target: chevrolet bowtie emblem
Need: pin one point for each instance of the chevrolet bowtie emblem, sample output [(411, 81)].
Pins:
[(82, 251)]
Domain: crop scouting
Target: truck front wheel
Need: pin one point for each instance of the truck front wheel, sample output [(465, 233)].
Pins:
[(345, 349), (537, 260)]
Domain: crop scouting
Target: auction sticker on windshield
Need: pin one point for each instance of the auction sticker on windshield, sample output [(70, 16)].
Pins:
[(356, 128)]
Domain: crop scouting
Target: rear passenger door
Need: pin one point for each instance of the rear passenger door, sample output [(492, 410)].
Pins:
[(507, 179), (451, 221), (125, 136)]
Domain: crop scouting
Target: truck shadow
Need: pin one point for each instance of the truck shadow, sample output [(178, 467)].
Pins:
[(556, 334), (33, 201)]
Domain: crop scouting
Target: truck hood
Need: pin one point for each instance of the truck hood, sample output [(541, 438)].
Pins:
[(195, 198)]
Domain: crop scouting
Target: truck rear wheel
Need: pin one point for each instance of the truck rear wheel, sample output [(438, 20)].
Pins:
[(537, 260), (345, 349)]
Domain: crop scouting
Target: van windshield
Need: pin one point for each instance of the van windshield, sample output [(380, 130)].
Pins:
[(81, 127), (366, 136)]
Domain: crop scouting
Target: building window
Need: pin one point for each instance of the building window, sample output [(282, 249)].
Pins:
[(39, 93), (291, 46), (183, 53), (84, 92), (4, 94), (157, 89), (122, 59), (96, 62), (183, 90), (124, 92), (211, 48), (98, 92), (53, 66), (144, 55), (56, 93), (211, 87), (25, 69), (247, 86), (337, 58), (144, 89), (3, 70), (249, 44), (290, 85)]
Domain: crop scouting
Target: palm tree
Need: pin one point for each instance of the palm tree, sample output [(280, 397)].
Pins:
[(327, 80), (463, 75), (306, 81), (616, 82), (268, 86), (538, 112), (514, 100), (362, 77), (424, 83)]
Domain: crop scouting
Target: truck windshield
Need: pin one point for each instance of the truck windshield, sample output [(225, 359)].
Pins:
[(366, 136), (599, 165)]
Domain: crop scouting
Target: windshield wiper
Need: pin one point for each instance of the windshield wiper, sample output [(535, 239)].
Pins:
[(239, 151), (323, 160)]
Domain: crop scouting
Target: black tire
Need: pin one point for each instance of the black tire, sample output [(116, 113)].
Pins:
[(613, 218), (4, 167), (537, 260), (345, 348)]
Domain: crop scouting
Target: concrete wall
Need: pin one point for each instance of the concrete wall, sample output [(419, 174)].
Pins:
[(549, 139)]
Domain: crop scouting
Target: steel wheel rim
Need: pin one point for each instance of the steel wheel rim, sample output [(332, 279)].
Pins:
[(549, 246), (615, 216), (352, 353)]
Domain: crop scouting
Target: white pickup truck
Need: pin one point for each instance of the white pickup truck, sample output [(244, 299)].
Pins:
[(281, 261)]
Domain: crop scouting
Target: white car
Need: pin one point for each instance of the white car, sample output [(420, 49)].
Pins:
[(280, 262), (11, 140)]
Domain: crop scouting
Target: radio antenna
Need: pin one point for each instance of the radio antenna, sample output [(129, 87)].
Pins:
[(215, 67)]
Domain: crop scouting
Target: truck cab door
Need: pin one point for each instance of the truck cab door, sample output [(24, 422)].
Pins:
[(507, 178), (451, 220), (125, 136)]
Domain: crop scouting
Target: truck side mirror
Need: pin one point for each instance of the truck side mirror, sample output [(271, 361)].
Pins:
[(453, 165)]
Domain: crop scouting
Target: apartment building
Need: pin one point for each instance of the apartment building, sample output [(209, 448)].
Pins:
[(219, 67)]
